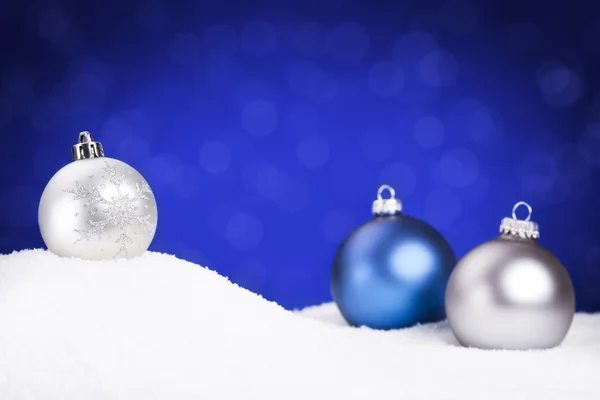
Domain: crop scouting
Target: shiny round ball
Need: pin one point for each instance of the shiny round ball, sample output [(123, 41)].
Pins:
[(391, 273), (510, 293), (96, 209)]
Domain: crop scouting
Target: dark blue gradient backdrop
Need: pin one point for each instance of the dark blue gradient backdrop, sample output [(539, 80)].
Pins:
[(265, 128)]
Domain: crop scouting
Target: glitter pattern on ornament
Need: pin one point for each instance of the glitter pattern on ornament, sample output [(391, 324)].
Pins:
[(120, 210)]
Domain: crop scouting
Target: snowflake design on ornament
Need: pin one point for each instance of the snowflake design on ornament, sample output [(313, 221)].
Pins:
[(120, 210)]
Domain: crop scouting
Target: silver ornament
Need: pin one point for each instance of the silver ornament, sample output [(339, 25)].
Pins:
[(510, 293), (97, 207)]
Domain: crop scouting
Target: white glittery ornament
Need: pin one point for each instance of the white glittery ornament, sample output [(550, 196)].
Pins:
[(97, 207)]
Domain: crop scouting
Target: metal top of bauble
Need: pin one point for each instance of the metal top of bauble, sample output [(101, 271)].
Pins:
[(523, 228), (391, 206), (86, 148)]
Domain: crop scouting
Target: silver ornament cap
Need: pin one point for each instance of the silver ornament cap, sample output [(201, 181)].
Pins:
[(389, 206), (86, 148), (525, 229)]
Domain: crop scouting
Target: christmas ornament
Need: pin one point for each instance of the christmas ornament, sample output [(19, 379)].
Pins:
[(97, 207), (510, 293), (392, 271)]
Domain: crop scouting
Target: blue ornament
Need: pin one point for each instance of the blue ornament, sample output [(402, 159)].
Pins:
[(392, 271)]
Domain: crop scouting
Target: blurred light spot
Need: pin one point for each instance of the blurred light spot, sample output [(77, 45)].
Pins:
[(442, 208), (537, 173), (377, 145), (589, 145), (459, 17), (307, 79), (428, 132), (349, 43), (250, 274), (313, 151), (150, 15), (244, 231), (345, 173), (270, 183), (53, 25), (414, 46), (253, 88), (524, 34), (295, 196), (259, 117), (459, 167), (133, 149), (164, 170), (471, 117), (401, 177), (215, 157), (478, 190), (220, 41), (302, 119), (590, 42), (311, 39), (338, 224), (258, 38), (289, 195), (385, 78), (184, 49), (438, 68), (19, 206), (560, 86)]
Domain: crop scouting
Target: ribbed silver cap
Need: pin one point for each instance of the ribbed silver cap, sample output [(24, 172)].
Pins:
[(525, 229), (86, 148), (389, 206)]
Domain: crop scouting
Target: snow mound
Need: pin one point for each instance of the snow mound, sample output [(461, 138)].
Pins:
[(157, 327)]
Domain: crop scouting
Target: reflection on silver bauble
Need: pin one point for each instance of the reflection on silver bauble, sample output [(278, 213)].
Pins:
[(510, 293), (97, 208)]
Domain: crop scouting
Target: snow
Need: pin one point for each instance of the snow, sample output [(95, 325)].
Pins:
[(157, 327)]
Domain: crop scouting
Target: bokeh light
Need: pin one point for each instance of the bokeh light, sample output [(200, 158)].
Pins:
[(265, 130), (428, 132), (559, 85), (313, 151), (259, 117)]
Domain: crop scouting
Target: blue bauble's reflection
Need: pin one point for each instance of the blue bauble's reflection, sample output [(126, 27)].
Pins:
[(391, 273)]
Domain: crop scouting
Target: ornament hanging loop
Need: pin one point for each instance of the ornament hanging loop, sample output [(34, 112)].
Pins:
[(382, 189), (390, 206), (529, 210), (521, 228), (86, 148)]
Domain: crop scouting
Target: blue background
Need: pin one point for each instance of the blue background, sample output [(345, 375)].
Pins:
[(265, 128)]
